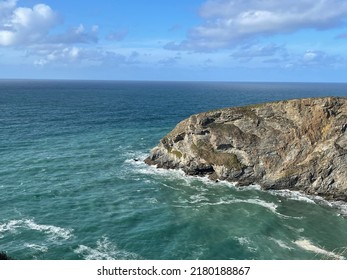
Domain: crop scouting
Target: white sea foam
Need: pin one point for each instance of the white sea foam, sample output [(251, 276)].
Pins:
[(281, 243), (269, 205), (197, 251), (246, 242), (298, 230), (293, 195), (142, 168), (341, 206), (136, 159), (170, 187), (197, 198), (314, 199), (151, 200), (246, 188), (177, 174), (104, 250), (138, 166), (198, 202), (53, 232), (308, 246), (10, 226), (243, 240), (36, 247)]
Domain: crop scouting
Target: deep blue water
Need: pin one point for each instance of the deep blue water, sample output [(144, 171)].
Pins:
[(70, 189)]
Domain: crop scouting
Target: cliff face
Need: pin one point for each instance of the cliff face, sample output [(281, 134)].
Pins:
[(299, 144)]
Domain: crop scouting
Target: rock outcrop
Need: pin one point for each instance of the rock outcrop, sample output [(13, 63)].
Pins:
[(299, 144)]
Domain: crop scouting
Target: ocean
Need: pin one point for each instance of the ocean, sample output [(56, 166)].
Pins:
[(73, 184)]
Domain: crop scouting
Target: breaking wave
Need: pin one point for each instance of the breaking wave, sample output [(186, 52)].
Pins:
[(105, 250), (308, 246), (281, 243), (36, 247), (53, 232)]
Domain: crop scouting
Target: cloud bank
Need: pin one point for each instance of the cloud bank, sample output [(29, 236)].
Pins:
[(32, 31), (20, 25), (229, 22)]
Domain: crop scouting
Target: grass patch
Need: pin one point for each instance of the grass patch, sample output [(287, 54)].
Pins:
[(176, 153), (206, 152)]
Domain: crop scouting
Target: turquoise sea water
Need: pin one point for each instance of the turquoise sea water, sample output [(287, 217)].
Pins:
[(70, 188)]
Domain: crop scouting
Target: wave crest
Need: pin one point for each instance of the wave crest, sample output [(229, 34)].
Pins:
[(105, 250), (54, 232)]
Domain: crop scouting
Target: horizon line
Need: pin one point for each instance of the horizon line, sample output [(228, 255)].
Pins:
[(164, 81)]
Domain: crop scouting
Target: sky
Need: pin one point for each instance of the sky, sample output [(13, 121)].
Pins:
[(174, 40)]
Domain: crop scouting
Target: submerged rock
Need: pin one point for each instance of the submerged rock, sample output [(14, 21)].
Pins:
[(299, 144)]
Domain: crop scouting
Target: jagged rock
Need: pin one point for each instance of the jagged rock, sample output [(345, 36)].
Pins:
[(299, 144)]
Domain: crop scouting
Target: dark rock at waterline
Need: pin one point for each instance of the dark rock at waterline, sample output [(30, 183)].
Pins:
[(4, 256), (298, 144)]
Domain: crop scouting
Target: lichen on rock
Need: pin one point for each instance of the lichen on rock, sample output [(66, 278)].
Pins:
[(298, 144)]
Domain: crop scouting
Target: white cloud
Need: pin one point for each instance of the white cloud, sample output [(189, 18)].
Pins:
[(77, 35), (54, 54), (29, 30), (281, 56), (320, 58), (40, 62), (312, 59), (250, 51), (227, 22), (64, 55), (169, 61), (310, 56), (21, 25)]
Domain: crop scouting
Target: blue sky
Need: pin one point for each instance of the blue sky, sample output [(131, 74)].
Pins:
[(216, 40)]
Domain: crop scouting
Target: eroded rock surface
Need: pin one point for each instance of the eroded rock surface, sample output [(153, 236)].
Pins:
[(299, 144)]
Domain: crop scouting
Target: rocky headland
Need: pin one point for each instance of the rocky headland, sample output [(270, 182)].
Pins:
[(298, 144)]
